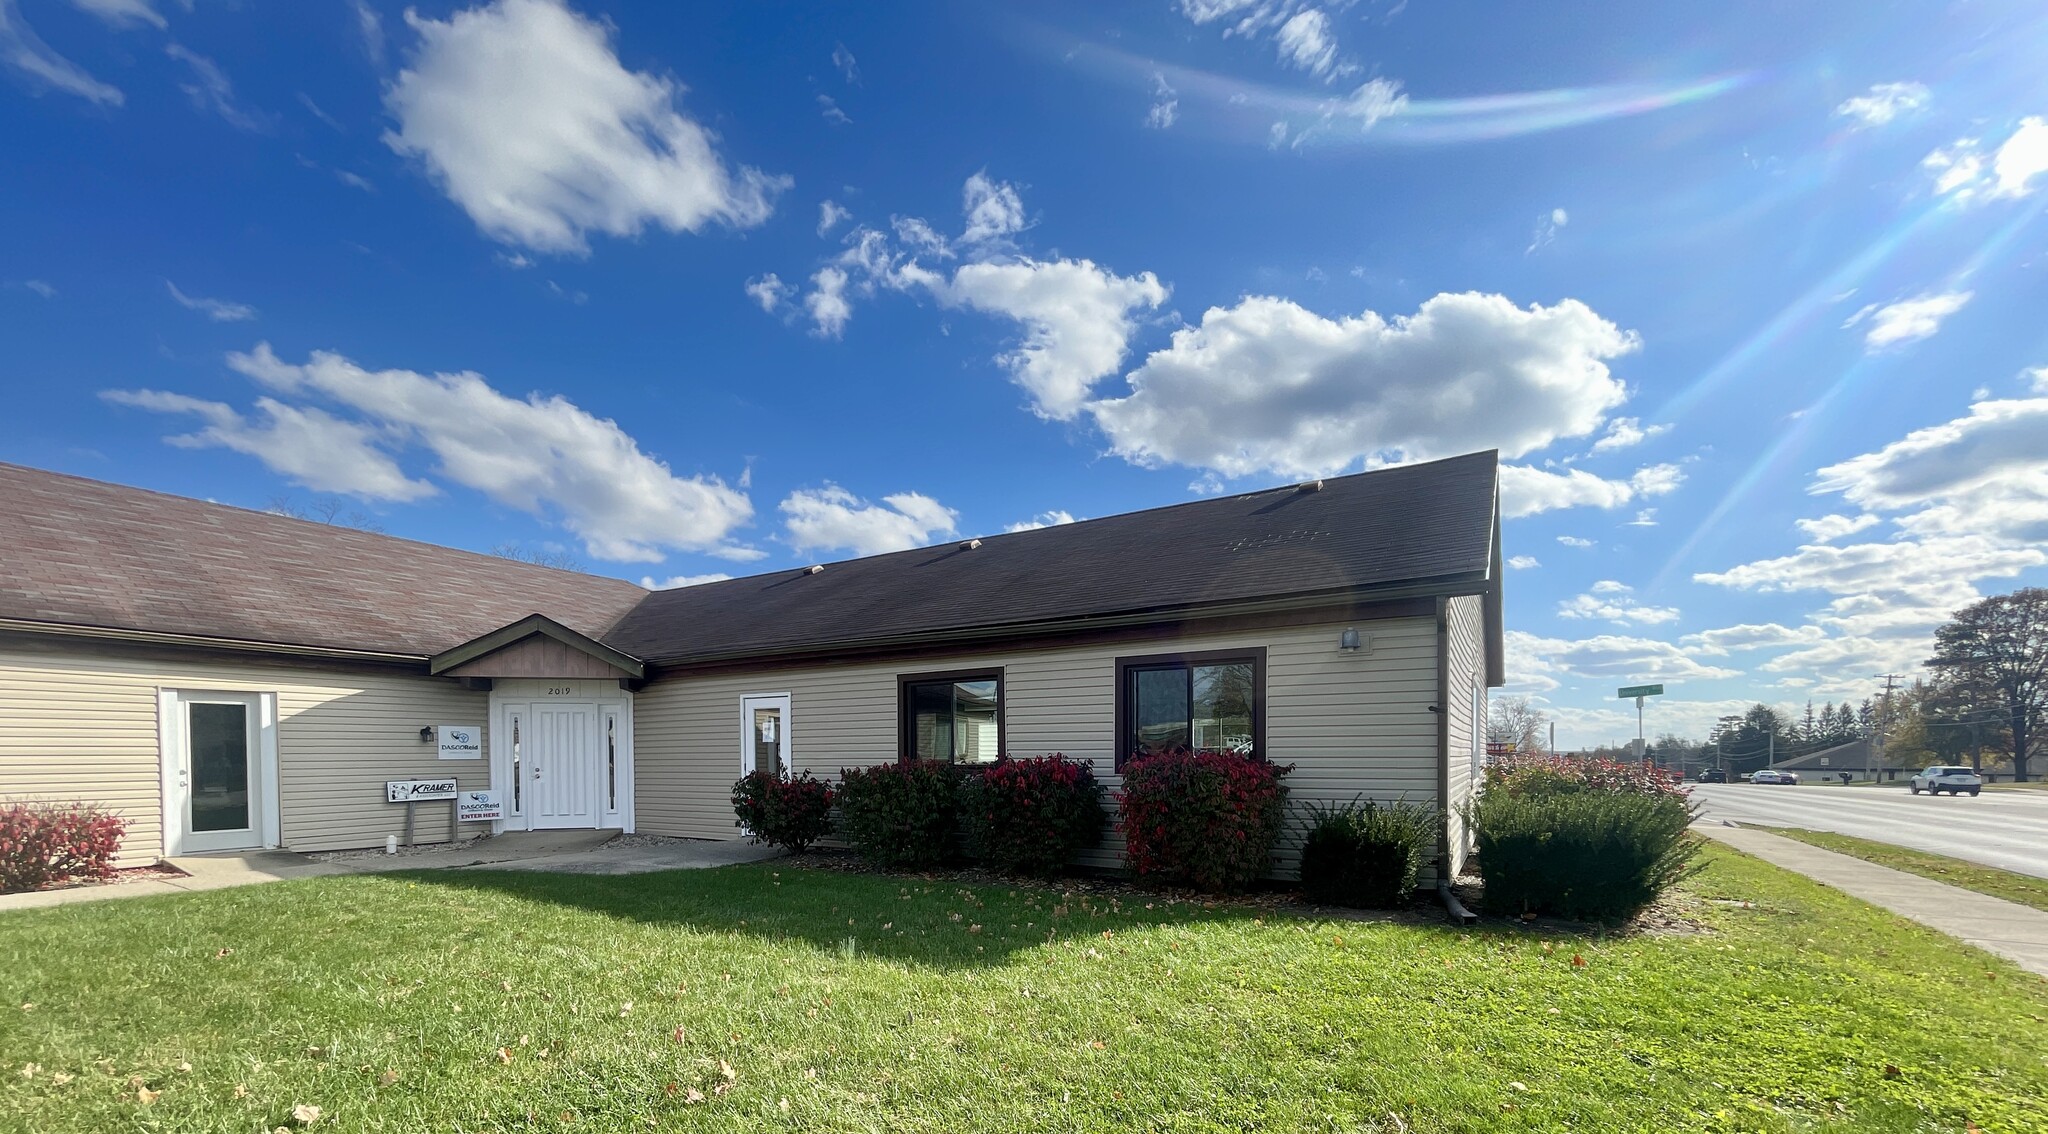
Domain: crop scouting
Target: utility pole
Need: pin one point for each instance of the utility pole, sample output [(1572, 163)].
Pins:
[(1884, 716), (1553, 738)]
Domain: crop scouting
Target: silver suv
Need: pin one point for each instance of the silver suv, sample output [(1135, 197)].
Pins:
[(1950, 779)]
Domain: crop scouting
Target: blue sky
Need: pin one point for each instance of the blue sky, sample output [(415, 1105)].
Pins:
[(1752, 300)]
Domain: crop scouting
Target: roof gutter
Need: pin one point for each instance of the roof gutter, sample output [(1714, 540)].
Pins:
[(1464, 583), (205, 642)]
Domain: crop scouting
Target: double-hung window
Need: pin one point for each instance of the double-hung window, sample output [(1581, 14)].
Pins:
[(1213, 701), (953, 717)]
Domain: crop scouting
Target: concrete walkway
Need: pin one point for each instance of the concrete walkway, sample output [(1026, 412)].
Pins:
[(2013, 931), (564, 852)]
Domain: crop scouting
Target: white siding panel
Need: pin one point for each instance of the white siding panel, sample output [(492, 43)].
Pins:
[(1351, 724), (1466, 699), (76, 726)]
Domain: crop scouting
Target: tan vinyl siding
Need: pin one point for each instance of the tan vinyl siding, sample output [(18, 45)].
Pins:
[(75, 726), (1350, 723), (1466, 702)]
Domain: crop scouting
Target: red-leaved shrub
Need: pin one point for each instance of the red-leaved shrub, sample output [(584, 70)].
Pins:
[(1030, 816), (790, 813), (42, 844), (1534, 774), (1206, 819)]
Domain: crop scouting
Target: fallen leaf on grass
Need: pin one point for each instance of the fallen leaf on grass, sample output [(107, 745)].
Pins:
[(31, 1070), (241, 1090), (147, 1096), (678, 1036), (61, 1077), (223, 953), (387, 1078), (504, 1055), (184, 1067), (1578, 962), (305, 1114), (726, 1070), (1891, 1071), (693, 1096)]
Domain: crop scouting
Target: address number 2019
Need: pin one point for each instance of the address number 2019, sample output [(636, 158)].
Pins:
[(561, 690)]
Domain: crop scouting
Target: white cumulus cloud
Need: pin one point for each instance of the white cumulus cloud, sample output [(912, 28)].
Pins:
[(525, 117), (1965, 171), (541, 455), (1908, 320), (1267, 385), (307, 446), (832, 518), (1050, 519), (1883, 103)]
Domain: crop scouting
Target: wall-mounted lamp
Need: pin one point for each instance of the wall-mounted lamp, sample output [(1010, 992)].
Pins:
[(427, 735), (1350, 642)]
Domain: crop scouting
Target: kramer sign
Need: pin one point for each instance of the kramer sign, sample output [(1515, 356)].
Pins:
[(417, 791), (1641, 691)]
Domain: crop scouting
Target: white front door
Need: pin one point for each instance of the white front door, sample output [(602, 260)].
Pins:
[(219, 770), (563, 762), (764, 734)]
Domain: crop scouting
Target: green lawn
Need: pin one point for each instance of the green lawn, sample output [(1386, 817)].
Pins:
[(798, 999), (2022, 888)]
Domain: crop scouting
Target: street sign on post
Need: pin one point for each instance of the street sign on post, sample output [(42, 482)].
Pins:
[(1640, 693)]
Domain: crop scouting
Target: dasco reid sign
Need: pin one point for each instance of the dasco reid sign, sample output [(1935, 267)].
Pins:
[(415, 791), (478, 807), (460, 742)]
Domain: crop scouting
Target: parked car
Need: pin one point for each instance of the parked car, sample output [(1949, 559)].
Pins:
[(1945, 778), (1714, 776), (1774, 776)]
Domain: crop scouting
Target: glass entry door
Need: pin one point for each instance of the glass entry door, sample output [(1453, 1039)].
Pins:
[(764, 734), (218, 778)]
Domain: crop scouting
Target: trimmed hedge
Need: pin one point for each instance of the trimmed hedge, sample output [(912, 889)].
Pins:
[(1591, 855), (1534, 774), (790, 813), (42, 844), (1368, 854), (1031, 816), (900, 815), (1203, 819)]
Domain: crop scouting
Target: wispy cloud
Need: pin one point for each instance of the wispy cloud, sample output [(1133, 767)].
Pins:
[(218, 310)]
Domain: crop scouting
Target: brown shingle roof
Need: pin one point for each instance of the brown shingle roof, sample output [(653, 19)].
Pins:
[(84, 553), (1415, 524)]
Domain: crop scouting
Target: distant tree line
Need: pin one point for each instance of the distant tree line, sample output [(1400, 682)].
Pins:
[(1983, 702)]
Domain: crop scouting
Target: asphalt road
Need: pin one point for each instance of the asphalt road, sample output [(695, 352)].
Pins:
[(2007, 829)]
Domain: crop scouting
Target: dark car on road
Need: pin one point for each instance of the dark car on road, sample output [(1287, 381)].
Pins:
[(1714, 776)]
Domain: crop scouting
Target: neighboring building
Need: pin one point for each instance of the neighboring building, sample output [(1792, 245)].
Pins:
[(1858, 757), (231, 679)]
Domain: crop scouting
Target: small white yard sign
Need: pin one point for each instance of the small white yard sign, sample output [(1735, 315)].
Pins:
[(478, 807)]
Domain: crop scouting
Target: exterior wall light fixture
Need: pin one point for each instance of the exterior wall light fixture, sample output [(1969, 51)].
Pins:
[(427, 735), (1350, 642)]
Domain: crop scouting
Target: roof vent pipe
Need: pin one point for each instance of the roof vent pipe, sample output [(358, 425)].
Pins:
[(970, 545), (813, 569), (1309, 486)]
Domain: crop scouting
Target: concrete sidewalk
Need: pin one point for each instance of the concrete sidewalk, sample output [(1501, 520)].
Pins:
[(2013, 931), (563, 852)]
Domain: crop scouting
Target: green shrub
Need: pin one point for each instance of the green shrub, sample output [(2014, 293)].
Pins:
[(1365, 854), (1203, 819), (1592, 855), (791, 813), (1031, 816), (900, 815)]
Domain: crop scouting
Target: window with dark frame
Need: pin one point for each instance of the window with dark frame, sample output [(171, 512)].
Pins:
[(1214, 701), (953, 717)]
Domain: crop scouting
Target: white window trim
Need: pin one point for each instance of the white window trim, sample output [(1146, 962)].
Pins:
[(170, 741), (747, 729)]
